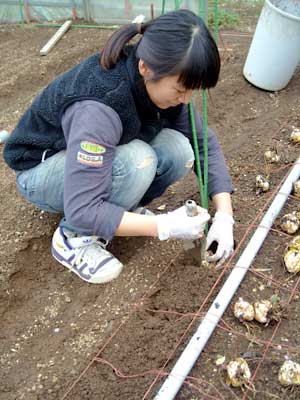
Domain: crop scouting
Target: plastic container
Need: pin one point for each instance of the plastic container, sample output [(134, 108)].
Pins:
[(275, 49)]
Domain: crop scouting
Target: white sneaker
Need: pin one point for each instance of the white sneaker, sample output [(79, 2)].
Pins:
[(143, 211), (86, 256)]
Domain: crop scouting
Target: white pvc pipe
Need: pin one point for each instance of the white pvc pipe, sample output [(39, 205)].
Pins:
[(197, 343)]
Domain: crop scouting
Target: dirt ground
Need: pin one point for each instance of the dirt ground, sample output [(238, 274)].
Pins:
[(53, 324)]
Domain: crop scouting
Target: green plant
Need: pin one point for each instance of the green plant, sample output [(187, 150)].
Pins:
[(226, 19)]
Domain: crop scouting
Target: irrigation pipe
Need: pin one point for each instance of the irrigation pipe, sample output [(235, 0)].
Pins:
[(198, 341)]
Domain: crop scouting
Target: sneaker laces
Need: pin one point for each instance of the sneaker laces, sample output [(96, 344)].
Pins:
[(87, 249)]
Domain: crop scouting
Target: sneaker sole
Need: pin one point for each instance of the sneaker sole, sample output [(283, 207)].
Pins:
[(107, 278)]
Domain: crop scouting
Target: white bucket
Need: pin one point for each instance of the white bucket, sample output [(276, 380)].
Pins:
[(275, 49)]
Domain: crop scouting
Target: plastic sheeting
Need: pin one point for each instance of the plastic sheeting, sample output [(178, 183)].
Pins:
[(12, 11), (99, 11)]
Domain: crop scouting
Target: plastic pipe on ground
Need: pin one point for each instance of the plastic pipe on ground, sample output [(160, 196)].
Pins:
[(197, 343), (55, 38)]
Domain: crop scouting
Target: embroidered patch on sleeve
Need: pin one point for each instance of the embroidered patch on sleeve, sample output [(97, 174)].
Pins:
[(88, 159), (92, 148)]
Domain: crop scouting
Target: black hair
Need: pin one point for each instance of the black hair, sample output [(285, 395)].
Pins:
[(176, 43)]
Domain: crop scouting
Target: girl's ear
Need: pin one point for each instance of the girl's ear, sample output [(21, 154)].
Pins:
[(144, 70)]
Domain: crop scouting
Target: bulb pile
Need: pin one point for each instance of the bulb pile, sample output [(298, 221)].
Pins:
[(262, 183), (272, 156), (262, 311)]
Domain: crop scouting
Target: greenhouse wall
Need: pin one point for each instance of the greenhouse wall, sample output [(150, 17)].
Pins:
[(117, 12)]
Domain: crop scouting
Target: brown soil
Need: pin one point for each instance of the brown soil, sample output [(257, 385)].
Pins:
[(53, 324)]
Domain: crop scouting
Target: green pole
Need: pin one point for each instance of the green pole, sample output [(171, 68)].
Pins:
[(205, 147), (203, 186), (178, 4), (21, 13), (216, 20), (197, 156), (203, 10), (163, 7), (204, 202)]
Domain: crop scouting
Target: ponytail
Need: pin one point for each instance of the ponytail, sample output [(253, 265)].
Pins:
[(114, 46)]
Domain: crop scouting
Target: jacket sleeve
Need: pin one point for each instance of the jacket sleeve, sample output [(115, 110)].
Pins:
[(219, 180), (92, 131)]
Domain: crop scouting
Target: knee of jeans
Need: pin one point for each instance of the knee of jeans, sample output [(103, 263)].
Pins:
[(189, 159), (145, 167), (180, 150), (138, 159), (144, 156)]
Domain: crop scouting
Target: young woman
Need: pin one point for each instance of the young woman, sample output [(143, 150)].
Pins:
[(108, 136)]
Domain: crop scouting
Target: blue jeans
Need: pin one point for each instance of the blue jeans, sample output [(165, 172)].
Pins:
[(147, 169)]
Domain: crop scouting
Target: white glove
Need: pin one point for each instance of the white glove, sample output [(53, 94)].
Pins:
[(176, 224), (221, 231)]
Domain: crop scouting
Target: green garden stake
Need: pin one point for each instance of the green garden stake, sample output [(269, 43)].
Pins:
[(205, 147), (197, 157), (21, 13), (203, 10), (178, 4), (200, 246), (163, 7), (204, 15), (216, 20)]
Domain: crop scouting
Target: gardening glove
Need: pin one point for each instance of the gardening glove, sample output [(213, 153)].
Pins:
[(176, 224), (221, 231)]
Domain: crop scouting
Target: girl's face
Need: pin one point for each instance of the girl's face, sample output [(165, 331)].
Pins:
[(166, 92)]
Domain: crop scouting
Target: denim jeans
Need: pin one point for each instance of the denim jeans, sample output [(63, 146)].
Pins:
[(147, 169)]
